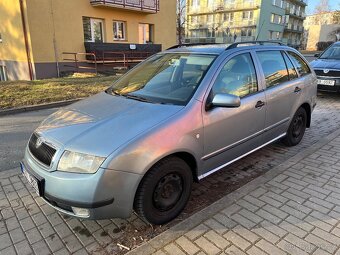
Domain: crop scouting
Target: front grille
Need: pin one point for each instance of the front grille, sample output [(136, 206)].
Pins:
[(43, 152), (331, 73)]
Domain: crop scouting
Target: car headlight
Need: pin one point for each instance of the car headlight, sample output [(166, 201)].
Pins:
[(75, 162)]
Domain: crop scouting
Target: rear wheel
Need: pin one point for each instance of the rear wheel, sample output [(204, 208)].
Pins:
[(164, 191), (296, 128)]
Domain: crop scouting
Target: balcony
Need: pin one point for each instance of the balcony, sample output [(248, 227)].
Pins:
[(145, 6), (221, 7), (295, 13)]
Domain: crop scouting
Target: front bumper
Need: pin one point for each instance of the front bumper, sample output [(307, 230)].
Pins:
[(105, 194)]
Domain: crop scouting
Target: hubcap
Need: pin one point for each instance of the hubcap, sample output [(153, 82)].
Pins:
[(167, 192), (298, 126)]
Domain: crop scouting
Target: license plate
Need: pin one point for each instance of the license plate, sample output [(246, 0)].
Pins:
[(326, 82), (31, 180)]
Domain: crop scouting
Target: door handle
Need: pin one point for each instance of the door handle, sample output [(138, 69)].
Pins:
[(259, 104), (297, 90)]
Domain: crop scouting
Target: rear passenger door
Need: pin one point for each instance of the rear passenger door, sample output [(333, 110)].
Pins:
[(282, 91)]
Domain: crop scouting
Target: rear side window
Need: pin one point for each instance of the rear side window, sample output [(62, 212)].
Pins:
[(274, 67), (291, 69), (300, 64)]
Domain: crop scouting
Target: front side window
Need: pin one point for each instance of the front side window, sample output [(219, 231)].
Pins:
[(237, 77), (119, 30), (170, 78), (274, 67), (93, 29), (300, 64)]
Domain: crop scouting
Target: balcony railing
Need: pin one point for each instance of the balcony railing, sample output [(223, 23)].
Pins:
[(147, 6), (222, 7)]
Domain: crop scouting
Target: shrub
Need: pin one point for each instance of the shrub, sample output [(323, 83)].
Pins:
[(321, 46)]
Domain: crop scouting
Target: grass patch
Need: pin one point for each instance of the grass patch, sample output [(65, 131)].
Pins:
[(26, 93)]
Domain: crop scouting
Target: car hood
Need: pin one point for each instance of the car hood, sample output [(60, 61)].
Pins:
[(326, 64), (101, 124)]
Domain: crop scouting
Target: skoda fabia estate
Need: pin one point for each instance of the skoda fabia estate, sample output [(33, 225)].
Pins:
[(176, 118)]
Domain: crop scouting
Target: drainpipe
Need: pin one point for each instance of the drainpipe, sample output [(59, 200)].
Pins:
[(55, 42), (24, 28)]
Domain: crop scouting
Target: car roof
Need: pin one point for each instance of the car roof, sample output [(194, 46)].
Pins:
[(220, 48)]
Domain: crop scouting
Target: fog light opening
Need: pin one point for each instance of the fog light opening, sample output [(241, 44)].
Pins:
[(81, 212)]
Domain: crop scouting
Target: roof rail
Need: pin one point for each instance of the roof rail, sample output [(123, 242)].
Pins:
[(191, 44), (234, 45)]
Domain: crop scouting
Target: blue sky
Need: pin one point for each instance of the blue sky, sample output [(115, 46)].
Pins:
[(335, 4)]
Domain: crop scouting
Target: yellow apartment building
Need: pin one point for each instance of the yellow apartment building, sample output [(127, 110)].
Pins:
[(36, 34), (321, 27)]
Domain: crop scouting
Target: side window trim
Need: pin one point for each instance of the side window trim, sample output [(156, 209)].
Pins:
[(251, 53), (293, 62), (284, 53), (290, 58), (262, 71)]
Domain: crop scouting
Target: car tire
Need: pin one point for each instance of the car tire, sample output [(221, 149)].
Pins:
[(296, 128), (164, 191)]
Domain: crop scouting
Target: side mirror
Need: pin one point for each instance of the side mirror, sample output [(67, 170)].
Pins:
[(226, 100), (317, 55)]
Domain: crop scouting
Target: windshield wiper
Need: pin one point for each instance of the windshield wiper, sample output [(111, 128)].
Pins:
[(134, 97)]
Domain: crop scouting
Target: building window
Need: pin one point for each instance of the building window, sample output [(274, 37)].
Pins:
[(246, 32), (195, 3), (93, 29), (3, 73), (119, 28), (248, 15), (146, 33), (228, 16), (278, 3), (274, 35), (210, 19), (277, 19)]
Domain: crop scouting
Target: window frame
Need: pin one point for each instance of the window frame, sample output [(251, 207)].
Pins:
[(262, 71), (115, 24), (92, 20), (208, 96), (284, 53), (296, 68)]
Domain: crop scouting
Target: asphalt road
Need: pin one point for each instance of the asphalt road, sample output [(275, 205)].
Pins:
[(15, 131)]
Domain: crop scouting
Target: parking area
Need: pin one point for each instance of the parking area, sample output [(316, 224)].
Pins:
[(28, 225)]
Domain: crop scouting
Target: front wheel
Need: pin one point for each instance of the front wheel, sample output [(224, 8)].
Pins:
[(164, 191), (296, 128)]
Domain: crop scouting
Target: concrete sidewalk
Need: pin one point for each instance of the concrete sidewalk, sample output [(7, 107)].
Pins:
[(292, 209)]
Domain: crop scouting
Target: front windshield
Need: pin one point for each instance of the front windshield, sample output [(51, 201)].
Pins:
[(332, 52), (170, 78)]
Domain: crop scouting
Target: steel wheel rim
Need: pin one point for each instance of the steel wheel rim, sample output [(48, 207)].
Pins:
[(168, 192)]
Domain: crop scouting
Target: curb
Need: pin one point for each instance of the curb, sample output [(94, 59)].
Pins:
[(180, 229), (38, 107)]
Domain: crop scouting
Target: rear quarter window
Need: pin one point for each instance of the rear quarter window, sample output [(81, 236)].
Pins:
[(300, 64)]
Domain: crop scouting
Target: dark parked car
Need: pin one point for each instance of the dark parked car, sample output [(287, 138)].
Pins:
[(327, 68)]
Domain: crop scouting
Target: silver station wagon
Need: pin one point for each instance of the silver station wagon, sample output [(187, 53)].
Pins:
[(176, 118)]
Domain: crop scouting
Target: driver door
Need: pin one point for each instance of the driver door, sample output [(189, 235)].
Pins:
[(229, 133)]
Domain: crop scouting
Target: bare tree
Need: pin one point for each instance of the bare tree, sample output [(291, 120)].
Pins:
[(323, 6), (181, 19)]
